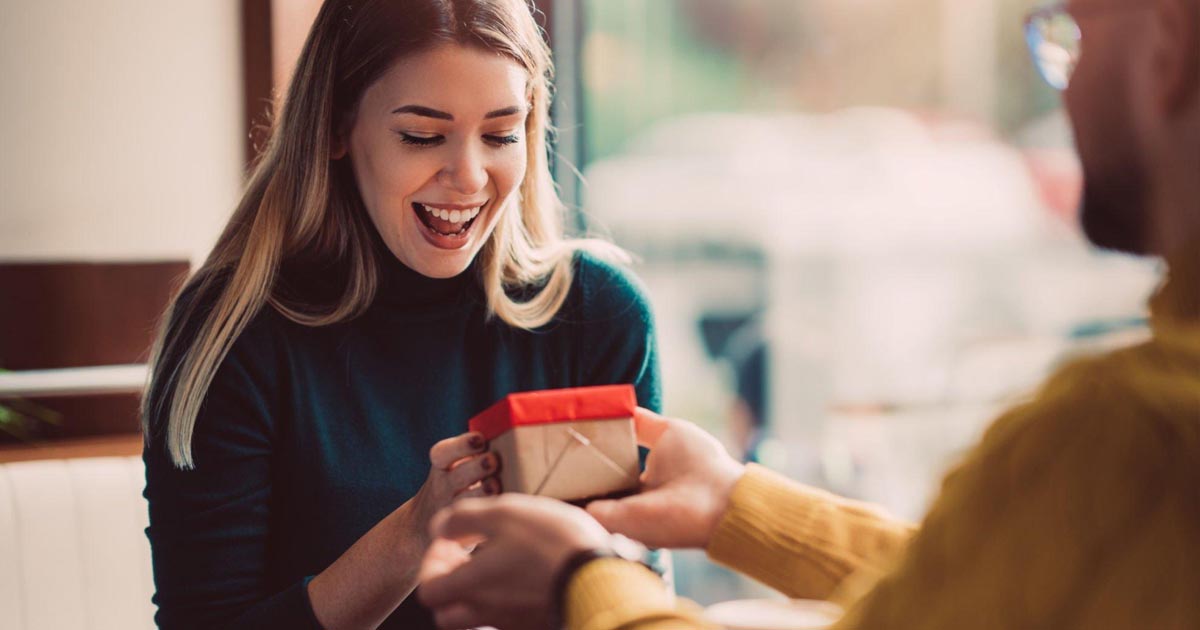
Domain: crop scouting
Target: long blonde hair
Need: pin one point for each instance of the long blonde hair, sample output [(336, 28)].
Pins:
[(298, 205)]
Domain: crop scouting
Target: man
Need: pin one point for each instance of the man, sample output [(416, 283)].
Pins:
[(1079, 509)]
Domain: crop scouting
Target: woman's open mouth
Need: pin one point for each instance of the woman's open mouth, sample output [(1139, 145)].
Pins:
[(447, 227)]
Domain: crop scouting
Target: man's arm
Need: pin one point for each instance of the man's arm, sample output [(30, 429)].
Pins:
[(799, 540), (802, 541)]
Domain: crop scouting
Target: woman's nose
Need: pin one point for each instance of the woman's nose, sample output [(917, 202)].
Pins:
[(465, 172)]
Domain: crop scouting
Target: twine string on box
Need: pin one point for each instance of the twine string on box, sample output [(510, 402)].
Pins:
[(578, 438)]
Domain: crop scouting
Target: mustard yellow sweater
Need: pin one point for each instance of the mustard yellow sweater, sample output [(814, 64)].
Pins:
[(1079, 510)]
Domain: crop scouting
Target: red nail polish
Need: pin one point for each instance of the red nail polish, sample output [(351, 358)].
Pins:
[(476, 442), (487, 464)]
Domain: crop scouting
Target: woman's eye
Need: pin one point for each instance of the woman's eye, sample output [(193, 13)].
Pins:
[(501, 141), (420, 141)]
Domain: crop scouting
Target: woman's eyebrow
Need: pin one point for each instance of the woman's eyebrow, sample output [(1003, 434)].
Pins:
[(429, 112), (507, 111), (420, 110)]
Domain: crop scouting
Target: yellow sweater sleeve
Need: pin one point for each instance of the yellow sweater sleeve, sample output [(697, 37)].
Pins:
[(614, 594), (801, 541)]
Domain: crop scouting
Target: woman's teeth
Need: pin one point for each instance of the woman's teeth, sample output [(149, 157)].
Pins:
[(453, 216)]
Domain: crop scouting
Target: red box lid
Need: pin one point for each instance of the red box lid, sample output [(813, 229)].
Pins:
[(556, 405)]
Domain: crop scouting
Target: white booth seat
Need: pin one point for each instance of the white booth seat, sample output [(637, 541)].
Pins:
[(73, 549)]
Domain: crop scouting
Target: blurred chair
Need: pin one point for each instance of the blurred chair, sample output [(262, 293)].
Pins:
[(72, 541)]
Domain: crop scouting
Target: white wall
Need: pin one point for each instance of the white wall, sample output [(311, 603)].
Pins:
[(120, 127)]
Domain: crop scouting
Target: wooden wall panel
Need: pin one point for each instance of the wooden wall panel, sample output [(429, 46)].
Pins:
[(59, 315)]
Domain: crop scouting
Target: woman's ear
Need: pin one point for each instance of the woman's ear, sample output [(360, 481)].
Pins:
[(339, 140), (337, 147)]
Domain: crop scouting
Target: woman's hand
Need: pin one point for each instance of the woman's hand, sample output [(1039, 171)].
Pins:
[(362, 587), (685, 490), (459, 468)]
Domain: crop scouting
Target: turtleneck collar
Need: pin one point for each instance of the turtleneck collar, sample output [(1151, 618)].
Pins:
[(321, 283), (400, 286)]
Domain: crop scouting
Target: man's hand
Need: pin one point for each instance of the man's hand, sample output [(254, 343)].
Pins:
[(685, 489), (508, 581)]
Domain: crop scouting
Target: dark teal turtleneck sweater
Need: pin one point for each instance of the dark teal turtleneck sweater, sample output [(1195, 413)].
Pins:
[(309, 437)]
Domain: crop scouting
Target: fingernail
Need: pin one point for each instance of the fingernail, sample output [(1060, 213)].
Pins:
[(487, 464), (476, 441), (492, 486)]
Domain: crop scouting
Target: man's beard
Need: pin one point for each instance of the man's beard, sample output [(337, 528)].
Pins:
[(1115, 212)]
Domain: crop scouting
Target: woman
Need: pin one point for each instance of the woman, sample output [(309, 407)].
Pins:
[(397, 264)]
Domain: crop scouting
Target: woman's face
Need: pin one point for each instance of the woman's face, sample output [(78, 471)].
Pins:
[(438, 149)]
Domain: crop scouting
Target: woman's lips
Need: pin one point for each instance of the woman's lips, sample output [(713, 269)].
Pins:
[(445, 227)]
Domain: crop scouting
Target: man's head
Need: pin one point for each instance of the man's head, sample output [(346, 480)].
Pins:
[(1134, 101)]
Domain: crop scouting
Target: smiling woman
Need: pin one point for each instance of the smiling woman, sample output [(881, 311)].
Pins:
[(397, 264)]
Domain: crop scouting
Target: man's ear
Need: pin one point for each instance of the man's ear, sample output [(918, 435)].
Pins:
[(1177, 55)]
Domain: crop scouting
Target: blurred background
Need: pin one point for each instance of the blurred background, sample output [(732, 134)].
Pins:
[(856, 220)]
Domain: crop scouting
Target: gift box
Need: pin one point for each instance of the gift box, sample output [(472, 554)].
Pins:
[(569, 444)]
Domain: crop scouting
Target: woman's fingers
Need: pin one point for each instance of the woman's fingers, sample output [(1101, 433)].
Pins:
[(474, 469), (486, 488), (444, 454)]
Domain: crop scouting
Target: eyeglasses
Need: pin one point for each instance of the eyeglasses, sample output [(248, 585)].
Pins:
[(1055, 40)]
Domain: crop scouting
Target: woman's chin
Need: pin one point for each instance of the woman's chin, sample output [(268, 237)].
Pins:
[(434, 262), (442, 269)]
